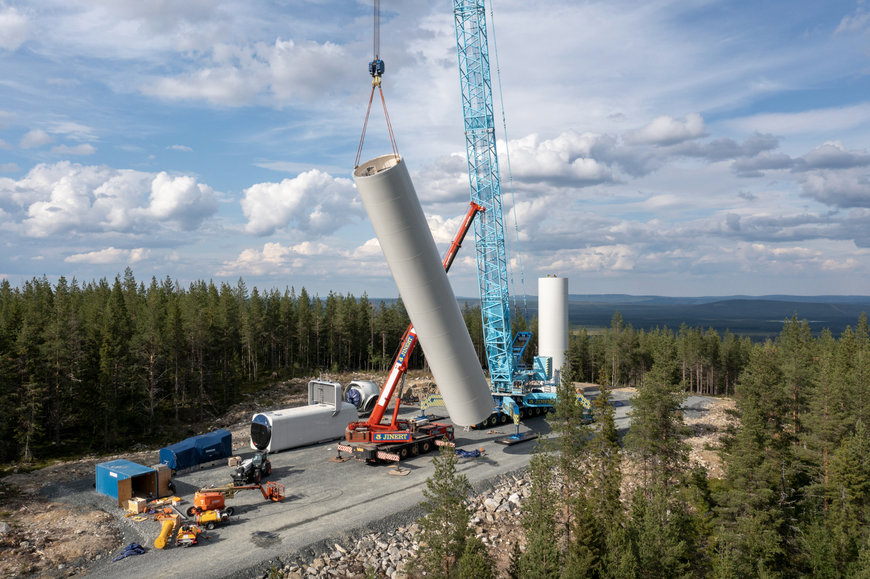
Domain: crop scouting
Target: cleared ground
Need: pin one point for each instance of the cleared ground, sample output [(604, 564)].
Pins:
[(326, 501)]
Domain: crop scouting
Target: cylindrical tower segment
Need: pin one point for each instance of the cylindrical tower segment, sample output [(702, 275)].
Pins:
[(553, 319), (397, 217)]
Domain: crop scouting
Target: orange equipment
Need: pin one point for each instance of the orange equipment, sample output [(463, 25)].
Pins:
[(187, 535), (215, 498)]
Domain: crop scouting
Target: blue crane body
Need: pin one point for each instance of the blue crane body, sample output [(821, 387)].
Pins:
[(516, 389)]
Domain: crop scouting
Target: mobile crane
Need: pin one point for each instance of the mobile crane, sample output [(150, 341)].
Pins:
[(517, 390), (373, 440)]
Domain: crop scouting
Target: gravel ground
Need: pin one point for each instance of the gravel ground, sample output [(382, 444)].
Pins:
[(52, 523)]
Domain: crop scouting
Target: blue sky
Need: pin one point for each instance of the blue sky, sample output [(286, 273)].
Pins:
[(670, 147)]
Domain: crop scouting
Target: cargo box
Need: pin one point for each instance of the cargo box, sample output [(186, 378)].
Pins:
[(123, 480)]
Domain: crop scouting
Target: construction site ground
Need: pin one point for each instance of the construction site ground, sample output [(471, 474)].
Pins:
[(53, 523)]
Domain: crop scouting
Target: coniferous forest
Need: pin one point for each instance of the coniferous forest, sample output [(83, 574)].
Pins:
[(98, 366), (795, 497)]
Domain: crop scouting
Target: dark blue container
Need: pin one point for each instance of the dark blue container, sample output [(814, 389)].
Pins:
[(197, 450)]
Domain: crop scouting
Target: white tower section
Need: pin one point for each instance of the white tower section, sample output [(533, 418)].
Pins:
[(394, 210), (553, 319)]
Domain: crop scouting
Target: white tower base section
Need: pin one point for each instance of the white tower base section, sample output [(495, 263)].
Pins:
[(553, 319), (394, 210)]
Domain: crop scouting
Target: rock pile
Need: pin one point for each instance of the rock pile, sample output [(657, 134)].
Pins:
[(495, 520)]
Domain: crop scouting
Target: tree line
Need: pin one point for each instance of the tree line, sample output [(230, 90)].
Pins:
[(794, 500), (101, 365), (98, 366)]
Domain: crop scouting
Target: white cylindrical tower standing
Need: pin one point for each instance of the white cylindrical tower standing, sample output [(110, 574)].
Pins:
[(394, 210), (553, 319)]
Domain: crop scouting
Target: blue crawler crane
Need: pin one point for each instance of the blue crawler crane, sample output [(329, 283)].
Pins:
[(517, 391)]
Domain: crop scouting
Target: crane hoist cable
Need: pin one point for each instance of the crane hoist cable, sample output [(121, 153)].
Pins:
[(376, 69), (507, 150)]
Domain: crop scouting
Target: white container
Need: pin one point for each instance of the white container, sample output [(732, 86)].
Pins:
[(553, 319), (300, 426), (394, 210)]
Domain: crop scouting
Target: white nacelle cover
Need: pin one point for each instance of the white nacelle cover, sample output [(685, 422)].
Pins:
[(300, 426)]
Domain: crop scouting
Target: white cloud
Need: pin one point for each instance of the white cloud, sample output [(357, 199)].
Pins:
[(665, 130), (110, 255), (281, 73), (227, 86), (859, 21), (83, 149), (846, 265), (601, 259), (371, 248), (273, 259), (833, 155), (181, 199), (566, 157), (14, 28), (35, 138), (184, 148), (71, 199), (839, 188), (313, 201), (71, 129)]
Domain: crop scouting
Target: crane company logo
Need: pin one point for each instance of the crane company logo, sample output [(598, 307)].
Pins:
[(391, 436), (405, 349)]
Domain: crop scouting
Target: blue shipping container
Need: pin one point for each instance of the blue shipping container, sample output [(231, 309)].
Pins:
[(197, 450), (123, 480)]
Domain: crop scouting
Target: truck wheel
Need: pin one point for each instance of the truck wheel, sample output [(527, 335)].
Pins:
[(229, 511), (191, 511), (425, 447), (404, 452), (209, 526), (502, 418)]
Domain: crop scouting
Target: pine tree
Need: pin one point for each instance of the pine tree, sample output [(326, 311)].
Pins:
[(475, 562), (850, 475), (115, 369), (757, 505), (569, 424), (542, 557), (661, 532), (657, 429), (445, 524), (596, 506)]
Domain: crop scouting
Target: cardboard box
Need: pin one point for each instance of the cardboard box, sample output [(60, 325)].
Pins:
[(137, 505), (234, 461)]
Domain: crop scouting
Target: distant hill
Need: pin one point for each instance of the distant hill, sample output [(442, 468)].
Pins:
[(754, 316)]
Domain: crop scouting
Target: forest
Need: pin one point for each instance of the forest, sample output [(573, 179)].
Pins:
[(98, 366), (793, 500), (796, 491)]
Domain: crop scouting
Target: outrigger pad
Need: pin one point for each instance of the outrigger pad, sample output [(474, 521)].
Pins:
[(518, 438)]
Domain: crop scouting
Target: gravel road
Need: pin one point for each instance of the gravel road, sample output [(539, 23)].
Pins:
[(325, 501)]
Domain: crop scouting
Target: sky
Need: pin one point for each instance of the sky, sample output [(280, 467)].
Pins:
[(670, 147)]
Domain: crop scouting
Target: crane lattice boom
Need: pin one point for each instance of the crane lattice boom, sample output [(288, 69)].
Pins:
[(476, 87)]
